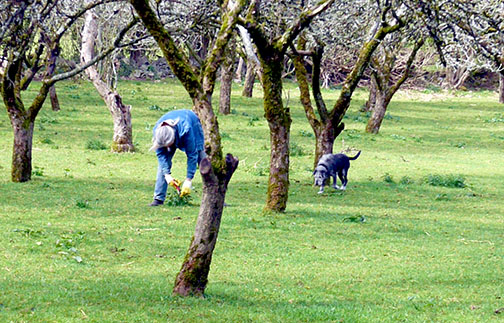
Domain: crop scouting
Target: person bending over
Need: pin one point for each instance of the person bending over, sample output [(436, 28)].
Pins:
[(176, 129)]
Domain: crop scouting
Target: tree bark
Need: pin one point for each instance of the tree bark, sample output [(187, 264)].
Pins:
[(370, 103), (380, 107), (279, 121), (122, 140), (193, 276), (226, 80), (501, 87), (239, 70), (248, 85), (54, 99), (22, 149)]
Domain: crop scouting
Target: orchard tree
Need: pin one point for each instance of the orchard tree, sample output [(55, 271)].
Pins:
[(328, 124), (30, 33), (272, 41), (390, 67), (198, 80), (99, 24)]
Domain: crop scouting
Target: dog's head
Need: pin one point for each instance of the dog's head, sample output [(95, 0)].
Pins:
[(320, 175)]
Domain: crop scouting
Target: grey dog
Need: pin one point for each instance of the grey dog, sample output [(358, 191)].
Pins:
[(332, 165)]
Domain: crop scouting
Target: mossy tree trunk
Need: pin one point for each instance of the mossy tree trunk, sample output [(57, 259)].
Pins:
[(385, 86), (279, 121), (216, 170), (122, 140)]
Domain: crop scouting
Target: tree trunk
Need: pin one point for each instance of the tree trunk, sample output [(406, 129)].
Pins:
[(456, 77), (370, 103), (225, 90), (122, 140), (226, 80), (381, 104), (239, 71), (501, 87), (22, 149), (193, 276), (248, 86), (279, 122), (54, 99)]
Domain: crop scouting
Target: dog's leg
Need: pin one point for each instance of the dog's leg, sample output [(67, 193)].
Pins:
[(321, 189), (335, 181), (343, 177)]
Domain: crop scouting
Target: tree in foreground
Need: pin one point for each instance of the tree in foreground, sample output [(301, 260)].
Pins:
[(31, 32), (216, 171), (272, 45)]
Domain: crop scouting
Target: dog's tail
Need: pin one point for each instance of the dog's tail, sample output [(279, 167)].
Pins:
[(355, 157)]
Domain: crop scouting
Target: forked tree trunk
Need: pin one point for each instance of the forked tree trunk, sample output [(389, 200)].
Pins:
[(324, 131), (22, 120), (122, 140), (248, 85), (385, 87), (501, 87), (379, 110), (54, 99)]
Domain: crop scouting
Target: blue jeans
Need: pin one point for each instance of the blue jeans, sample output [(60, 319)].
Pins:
[(161, 185)]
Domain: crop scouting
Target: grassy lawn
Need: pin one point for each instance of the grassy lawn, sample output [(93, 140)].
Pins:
[(404, 242)]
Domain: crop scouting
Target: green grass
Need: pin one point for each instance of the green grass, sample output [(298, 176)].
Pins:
[(79, 242)]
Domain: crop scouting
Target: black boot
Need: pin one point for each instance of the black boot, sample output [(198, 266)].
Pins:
[(156, 203)]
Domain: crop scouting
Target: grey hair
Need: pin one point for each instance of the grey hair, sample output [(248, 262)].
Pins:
[(164, 136)]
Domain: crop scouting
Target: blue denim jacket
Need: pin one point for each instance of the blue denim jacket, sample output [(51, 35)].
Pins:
[(188, 138)]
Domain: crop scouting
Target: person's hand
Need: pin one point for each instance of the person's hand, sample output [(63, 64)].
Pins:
[(175, 183), (186, 188)]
